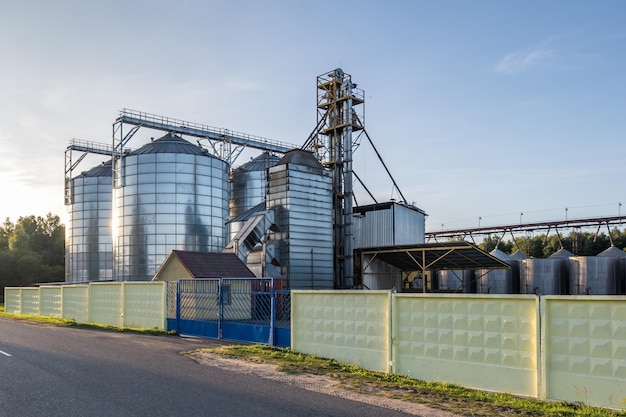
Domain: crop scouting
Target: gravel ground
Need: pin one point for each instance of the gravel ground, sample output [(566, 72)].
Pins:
[(317, 383)]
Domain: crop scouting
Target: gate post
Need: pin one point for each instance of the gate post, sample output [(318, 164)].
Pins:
[(220, 313), (272, 316), (178, 306)]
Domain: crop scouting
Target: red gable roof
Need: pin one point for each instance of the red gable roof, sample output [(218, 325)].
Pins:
[(213, 265)]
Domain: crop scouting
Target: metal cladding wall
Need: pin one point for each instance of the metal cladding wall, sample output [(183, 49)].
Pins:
[(88, 243), (388, 224), (248, 186), (300, 193), (171, 195)]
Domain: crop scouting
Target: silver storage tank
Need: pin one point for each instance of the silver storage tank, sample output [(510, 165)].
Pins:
[(459, 281), (379, 275), (621, 255), (88, 244), (248, 184), (172, 195), (545, 276), (519, 255), (300, 194), (597, 275), (499, 281)]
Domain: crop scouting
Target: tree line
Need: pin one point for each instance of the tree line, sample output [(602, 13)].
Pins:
[(32, 250), (542, 246)]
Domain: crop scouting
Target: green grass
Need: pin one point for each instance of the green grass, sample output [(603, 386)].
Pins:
[(449, 397), (72, 323)]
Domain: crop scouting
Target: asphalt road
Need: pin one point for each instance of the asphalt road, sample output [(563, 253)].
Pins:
[(60, 371)]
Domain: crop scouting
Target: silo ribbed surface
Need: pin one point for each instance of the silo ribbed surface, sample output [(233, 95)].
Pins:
[(499, 281), (300, 194), (173, 196), (248, 185), (88, 244)]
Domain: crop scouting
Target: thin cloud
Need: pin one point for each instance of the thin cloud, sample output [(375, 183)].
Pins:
[(553, 53), (521, 61)]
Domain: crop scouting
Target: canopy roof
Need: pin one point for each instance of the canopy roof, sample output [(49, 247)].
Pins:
[(435, 256)]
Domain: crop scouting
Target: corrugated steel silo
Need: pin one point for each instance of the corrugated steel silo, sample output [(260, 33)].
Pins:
[(173, 195), (300, 194), (88, 244), (248, 186), (499, 281)]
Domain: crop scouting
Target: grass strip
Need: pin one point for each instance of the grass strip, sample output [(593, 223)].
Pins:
[(72, 323), (448, 397)]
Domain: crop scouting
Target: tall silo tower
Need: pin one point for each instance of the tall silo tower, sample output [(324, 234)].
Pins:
[(332, 143), (168, 194), (88, 245)]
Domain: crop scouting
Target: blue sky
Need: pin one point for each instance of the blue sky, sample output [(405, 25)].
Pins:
[(480, 108)]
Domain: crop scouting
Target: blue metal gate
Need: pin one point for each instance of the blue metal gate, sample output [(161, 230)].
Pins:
[(240, 309)]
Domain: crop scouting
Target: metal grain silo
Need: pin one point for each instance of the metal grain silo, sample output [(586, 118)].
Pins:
[(88, 245), (300, 194), (499, 281), (598, 275), (171, 195), (248, 186)]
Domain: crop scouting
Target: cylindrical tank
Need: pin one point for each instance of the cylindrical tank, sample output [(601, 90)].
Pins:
[(499, 281), (248, 185), (545, 276), (594, 275), (461, 281), (519, 255), (621, 255), (598, 275), (88, 246), (168, 194)]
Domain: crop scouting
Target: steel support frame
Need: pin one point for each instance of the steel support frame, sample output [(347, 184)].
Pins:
[(332, 144)]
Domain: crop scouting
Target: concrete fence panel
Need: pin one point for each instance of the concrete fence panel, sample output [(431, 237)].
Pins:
[(584, 349), (144, 304), (13, 300), (51, 301), (106, 303), (349, 326), (483, 342), (30, 301), (76, 302)]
